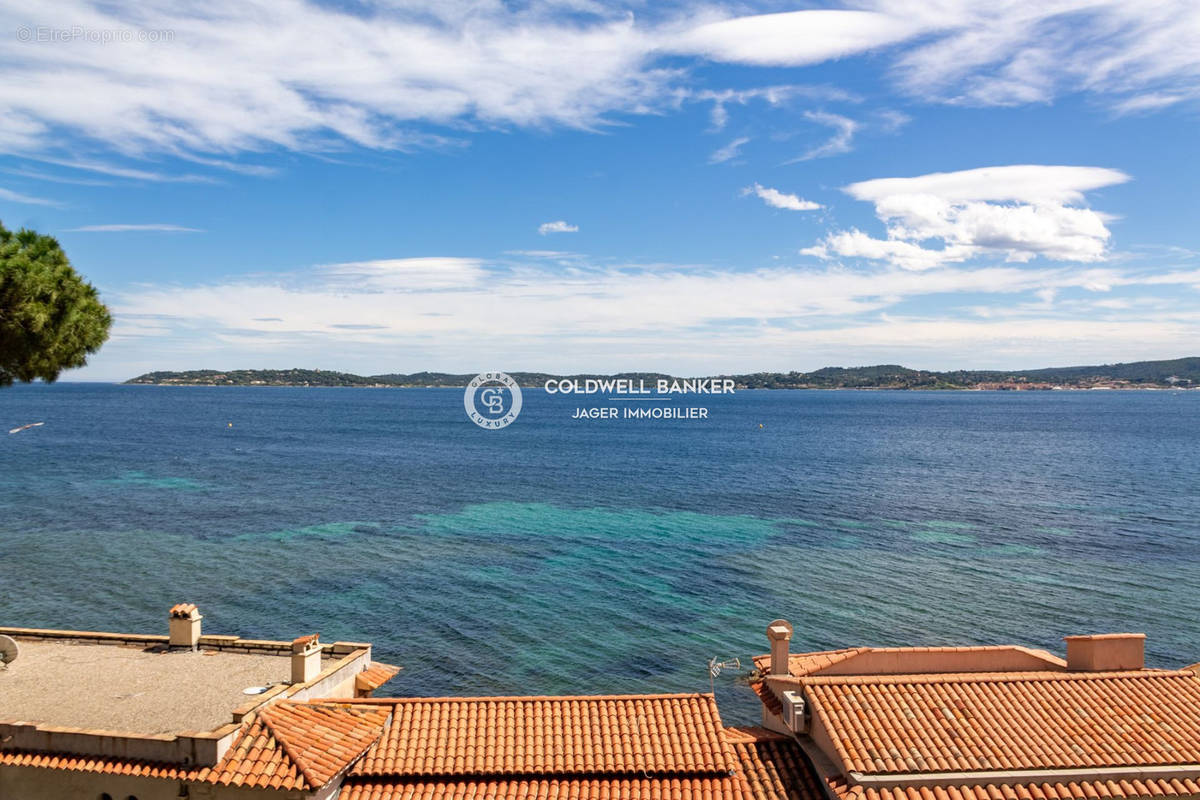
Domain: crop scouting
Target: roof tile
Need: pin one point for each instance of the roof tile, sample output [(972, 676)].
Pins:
[(285, 746), (1009, 721), (765, 766), (533, 736), (375, 675), (183, 610)]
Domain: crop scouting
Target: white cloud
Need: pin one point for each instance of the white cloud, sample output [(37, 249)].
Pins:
[(17, 197), (1020, 212), (397, 296), (558, 226), (406, 274), (906, 255), (442, 311), (729, 151), (795, 38), (778, 199), (247, 76), (1022, 183), (844, 129), (161, 227)]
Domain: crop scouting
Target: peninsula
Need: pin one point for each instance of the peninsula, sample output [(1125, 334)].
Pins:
[(1179, 373)]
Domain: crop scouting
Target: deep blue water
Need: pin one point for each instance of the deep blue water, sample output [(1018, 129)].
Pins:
[(603, 556)]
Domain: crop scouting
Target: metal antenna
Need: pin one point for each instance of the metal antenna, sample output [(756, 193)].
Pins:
[(715, 667)]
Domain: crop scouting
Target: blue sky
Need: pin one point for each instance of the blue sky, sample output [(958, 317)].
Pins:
[(575, 186)]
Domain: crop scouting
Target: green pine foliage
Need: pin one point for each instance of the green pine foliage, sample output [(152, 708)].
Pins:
[(51, 319)]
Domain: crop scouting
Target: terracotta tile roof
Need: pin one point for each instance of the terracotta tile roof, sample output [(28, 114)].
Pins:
[(375, 675), (256, 759), (767, 766), (769, 699), (301, 642), (707, 788), (1009, 721), (1138, 789), (772, 766), (534, 736), (182, 610), (323, 739), (286, 746), (100, 764)]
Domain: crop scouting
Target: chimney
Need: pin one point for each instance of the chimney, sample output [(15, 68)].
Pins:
[(184, 621), (779, 633), (1106, 652), (306, 658)]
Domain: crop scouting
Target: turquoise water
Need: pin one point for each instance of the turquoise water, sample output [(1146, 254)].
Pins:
[(604, 556)]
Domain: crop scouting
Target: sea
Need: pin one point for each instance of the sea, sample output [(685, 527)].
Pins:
[(569, 556)]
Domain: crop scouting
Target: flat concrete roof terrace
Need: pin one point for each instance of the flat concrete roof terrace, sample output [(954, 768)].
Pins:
[(134, 689)]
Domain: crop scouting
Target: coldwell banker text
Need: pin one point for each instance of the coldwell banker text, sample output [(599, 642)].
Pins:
[(631, 386), (638, 389)]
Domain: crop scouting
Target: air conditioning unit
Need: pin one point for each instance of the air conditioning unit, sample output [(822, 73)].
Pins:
[(794, 715)]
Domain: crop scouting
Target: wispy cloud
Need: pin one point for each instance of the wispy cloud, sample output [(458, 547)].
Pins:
[(1018, 212), (256, 170), (729, 151), (558, 226), (1144, 103), (127, 172), (778, 199), (776, 96), (386, 72), (407, 274), (17, 197), (160, 227), (44, 176), (890, 120), (539, 253), (1117, 51), (1133, 56), (844, 129)]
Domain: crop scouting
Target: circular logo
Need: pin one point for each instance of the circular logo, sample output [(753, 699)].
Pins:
[(492, 400)]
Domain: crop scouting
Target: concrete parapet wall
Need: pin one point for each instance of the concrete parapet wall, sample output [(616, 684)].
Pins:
[(207, 642), (186, 748)]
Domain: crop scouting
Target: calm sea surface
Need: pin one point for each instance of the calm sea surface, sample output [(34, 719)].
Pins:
[(559, 556)]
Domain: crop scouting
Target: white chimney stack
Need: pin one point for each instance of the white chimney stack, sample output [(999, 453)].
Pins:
[(184, 621), (779, 633), (306, 658)]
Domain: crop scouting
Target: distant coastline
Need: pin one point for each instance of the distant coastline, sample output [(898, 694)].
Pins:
[(1179, 373)]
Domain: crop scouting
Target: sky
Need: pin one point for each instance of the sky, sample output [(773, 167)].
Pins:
[(573, 186)]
